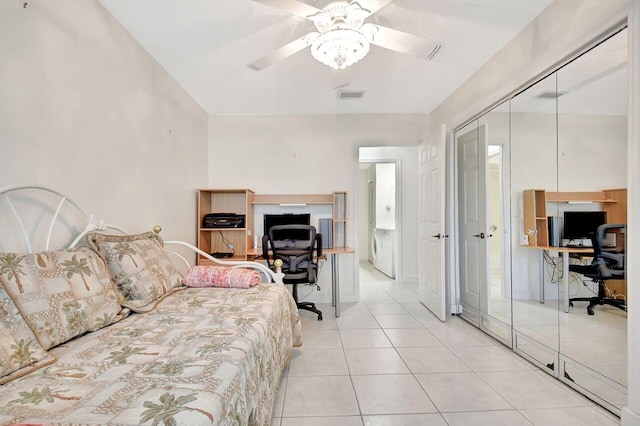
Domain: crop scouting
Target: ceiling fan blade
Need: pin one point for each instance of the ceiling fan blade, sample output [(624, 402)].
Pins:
[(341, 78), (402, 42), (372, 6), (283, 52), (292, 6)]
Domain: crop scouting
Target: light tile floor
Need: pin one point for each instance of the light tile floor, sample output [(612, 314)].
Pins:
[(388, 361)]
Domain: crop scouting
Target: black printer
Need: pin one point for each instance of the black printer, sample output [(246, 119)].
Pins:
[(223, 220)]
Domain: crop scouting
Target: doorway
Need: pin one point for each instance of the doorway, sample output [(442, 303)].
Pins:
[(382, 216), (404, 208)]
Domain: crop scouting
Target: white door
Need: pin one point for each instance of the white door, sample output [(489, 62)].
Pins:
[(371, 216), (472, 218), (431, 276)]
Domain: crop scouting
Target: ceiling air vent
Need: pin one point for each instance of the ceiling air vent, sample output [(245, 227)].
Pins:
[(551, 94), (350, 94)]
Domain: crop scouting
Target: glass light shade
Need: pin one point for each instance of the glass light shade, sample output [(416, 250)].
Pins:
[(340, 48)]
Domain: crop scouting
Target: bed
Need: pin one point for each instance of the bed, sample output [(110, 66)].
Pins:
[(197, 356)]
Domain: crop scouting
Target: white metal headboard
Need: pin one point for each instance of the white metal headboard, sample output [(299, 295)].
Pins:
[(91, 224)]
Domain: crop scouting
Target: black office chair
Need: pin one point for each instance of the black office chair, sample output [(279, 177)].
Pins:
[(299, 264), (606, 265)]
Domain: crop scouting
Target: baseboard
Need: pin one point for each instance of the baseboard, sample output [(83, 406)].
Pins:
[(629, 418)]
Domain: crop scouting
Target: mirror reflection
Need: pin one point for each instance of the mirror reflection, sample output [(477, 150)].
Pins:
[(496, 311), (471, 177), (592, 176), (541, 222), (482, 148), (533, 173)]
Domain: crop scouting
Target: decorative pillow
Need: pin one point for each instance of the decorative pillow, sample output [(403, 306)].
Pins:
[(60, 294), (140, 268), (20, 352), (221, 276)]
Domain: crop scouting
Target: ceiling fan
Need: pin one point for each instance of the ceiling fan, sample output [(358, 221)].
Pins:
[(343, 37)]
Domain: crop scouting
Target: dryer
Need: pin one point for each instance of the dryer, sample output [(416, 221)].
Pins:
[(382, 251)]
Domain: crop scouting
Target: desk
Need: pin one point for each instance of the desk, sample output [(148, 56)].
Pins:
[(565, 252), (335, 271)]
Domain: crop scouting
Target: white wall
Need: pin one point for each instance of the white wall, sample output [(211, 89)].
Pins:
[(305, 154), (85, 110)]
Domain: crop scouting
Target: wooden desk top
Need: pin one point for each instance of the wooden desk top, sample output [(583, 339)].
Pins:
[(337, 250), (563, 249)]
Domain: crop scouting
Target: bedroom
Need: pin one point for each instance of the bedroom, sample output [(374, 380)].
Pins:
[(82, 101)]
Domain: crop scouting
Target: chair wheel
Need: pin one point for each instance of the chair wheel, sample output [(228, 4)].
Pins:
[(571, 304), (319, 317), (590, 311)]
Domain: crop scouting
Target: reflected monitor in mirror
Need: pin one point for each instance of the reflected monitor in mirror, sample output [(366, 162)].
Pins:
[(582, 225)]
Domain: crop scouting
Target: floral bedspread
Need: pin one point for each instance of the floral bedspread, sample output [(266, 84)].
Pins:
[(204, 356)]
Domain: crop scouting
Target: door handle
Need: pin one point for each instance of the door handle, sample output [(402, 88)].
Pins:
[(480, 235), (439, 235)]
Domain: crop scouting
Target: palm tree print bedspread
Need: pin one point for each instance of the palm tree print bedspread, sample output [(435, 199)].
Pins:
[(204, 356)]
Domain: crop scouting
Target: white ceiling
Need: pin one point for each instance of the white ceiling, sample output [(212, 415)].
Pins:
[(206, 44)]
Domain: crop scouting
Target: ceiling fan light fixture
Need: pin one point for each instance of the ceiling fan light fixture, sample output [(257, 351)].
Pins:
[(341, 47)]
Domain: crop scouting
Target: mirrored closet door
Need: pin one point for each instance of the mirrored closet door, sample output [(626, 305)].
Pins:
[(592, 177), (542, 172), (534, 173), (482, 149), (495, 313)]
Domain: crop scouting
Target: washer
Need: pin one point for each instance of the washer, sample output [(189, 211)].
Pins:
[(382, 251)]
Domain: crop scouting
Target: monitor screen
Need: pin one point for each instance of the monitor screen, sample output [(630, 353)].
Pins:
[(288, 219), (580, 225)]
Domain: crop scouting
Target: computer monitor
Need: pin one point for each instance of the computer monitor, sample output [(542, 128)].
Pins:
[(580, 225), (288, 219)]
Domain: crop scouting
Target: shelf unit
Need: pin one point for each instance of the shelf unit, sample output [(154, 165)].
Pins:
[(339, 216), (613, 201), (535, 216), (242, 201), (237, 201)]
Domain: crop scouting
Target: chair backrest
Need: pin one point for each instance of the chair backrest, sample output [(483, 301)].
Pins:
[(610, 260), (299, 257)]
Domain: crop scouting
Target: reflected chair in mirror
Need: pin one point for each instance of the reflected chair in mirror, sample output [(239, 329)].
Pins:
[(608, 264), (299, 247)]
